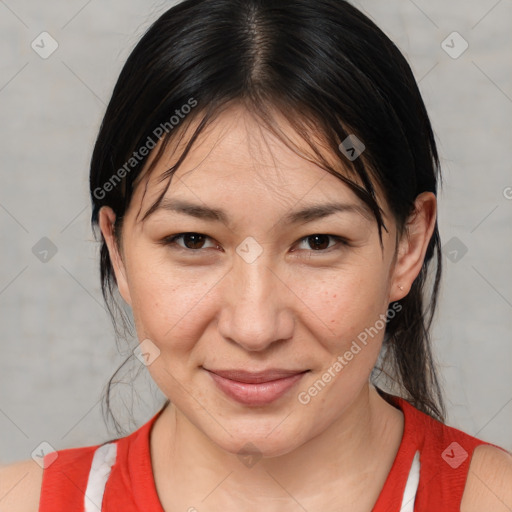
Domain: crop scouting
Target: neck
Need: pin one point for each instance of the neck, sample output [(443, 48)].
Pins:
[(353, 454)]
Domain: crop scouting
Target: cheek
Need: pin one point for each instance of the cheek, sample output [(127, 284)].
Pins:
[(170, 306), (349, 323), (342, 302), (173, 306)]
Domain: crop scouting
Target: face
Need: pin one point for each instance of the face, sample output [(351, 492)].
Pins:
[(241, 281)]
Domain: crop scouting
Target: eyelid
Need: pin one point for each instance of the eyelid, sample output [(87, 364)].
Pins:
[(339, 239), (171, 240)]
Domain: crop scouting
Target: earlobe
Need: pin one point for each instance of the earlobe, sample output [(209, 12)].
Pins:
[(106, 220), (413, 245)]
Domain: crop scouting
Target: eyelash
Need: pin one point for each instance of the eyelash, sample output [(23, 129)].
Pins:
[(171, 240)]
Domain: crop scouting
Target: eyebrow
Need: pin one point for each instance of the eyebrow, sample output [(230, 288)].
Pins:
[(308, 214)]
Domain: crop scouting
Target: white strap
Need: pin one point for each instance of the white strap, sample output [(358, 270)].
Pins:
[(105, 457), (411, 487), (102, 462)]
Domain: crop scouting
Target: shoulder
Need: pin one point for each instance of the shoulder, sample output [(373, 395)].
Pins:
[(27, 486), (20, 486), (482, 481), (489, 481)]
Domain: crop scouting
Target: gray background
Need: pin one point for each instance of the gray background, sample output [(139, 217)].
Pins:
[(57, 343)]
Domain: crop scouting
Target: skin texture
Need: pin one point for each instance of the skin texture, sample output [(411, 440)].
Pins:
[(294, 307)]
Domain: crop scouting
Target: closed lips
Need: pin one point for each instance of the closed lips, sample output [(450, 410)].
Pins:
[(256, 377)]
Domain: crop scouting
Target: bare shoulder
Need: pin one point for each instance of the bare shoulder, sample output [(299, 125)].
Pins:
[(20, 486), (489, 481)]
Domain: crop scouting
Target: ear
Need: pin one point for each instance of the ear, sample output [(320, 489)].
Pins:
[(106, 221), (413, 245)]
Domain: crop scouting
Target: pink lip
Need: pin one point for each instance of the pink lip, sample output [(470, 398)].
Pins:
[(255, 388)]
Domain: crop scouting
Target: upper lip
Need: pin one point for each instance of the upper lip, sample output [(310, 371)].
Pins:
[(256, 377)]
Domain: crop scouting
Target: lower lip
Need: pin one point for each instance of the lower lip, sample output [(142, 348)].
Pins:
[(256, 394)]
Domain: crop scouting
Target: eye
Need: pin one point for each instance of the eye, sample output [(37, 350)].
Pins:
[(194, 242), (191, 241), (320, 242)]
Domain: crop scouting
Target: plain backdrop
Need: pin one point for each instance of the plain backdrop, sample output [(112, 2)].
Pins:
[(58, 346)]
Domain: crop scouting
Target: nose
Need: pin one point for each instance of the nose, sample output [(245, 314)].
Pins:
[(256, 306)]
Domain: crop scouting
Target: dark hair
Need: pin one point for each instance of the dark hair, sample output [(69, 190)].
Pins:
[(331, 72)]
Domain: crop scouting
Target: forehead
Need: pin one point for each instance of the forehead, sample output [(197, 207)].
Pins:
[(238, 159)]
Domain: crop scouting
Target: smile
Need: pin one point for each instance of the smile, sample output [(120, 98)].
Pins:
[(255, 388)]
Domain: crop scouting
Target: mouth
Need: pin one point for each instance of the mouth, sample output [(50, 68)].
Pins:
[(256, 388)]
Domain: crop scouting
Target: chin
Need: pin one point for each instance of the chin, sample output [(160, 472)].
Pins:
[(258, 442)]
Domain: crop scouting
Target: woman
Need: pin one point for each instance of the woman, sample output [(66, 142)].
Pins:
[(265, 184)]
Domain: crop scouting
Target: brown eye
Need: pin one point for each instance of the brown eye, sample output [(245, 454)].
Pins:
[(318, 242), (193, 240), (190, 241)]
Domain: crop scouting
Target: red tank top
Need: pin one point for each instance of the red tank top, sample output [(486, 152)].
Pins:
[(117, 476)]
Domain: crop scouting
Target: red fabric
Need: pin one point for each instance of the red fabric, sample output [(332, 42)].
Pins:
[(443, 465), (131, 486), (65, 480)]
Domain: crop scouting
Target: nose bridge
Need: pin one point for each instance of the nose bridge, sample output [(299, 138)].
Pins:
[(255, 315)]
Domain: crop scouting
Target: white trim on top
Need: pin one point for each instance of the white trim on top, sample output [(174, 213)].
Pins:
[(102, 462), (411, 487)]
